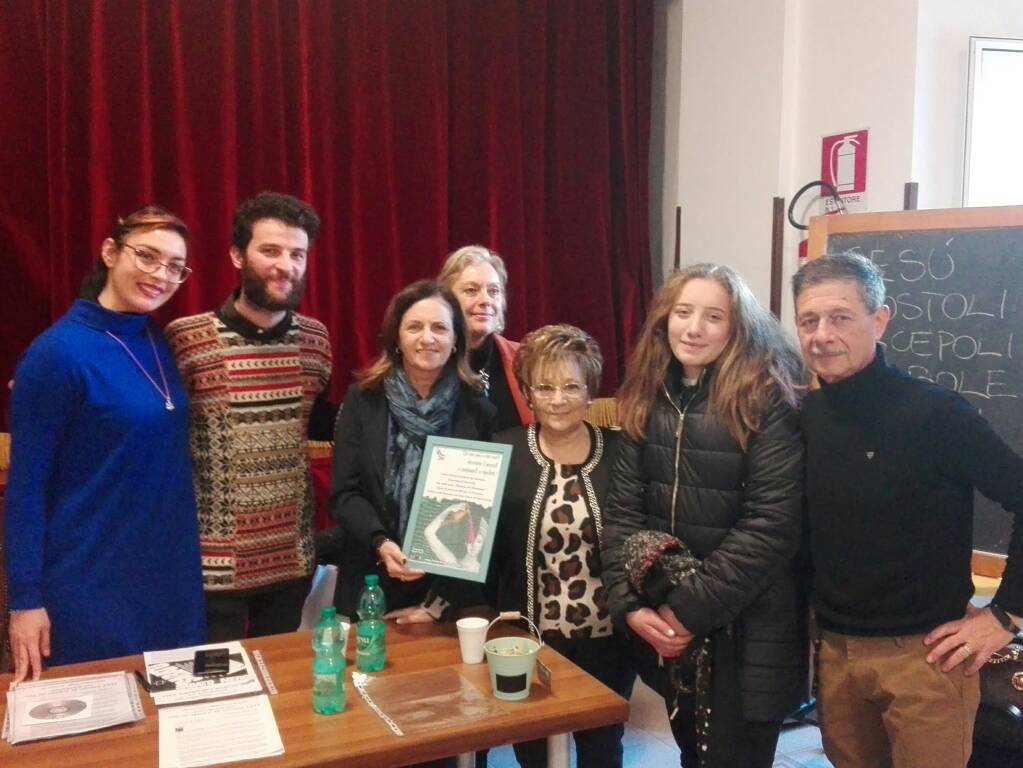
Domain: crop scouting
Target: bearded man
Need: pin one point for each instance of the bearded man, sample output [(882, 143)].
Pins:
[(255, 369)]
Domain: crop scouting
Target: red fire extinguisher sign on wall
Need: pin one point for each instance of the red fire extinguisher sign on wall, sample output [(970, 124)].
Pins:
[(844, 161)]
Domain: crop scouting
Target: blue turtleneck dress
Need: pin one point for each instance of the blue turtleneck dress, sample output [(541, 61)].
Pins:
[(100, 525)]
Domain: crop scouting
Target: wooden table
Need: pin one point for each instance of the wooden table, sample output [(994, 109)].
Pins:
[(357, 737)]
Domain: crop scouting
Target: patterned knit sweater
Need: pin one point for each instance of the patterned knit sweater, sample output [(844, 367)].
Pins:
[(252, 392)]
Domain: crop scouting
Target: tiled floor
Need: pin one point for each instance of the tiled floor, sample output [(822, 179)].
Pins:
[(648, 742)]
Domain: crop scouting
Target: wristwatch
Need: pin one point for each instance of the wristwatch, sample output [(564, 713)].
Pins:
[(1007, 622)]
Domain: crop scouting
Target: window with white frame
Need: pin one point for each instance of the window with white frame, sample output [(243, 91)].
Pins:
[(994, 123)]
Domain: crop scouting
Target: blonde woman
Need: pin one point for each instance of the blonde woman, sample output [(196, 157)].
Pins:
[(477, 277), (703, 517)]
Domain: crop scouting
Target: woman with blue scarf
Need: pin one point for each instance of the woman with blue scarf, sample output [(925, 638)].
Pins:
[(420, 385)]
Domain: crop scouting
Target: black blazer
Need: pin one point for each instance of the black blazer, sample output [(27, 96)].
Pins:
[(357, 500)]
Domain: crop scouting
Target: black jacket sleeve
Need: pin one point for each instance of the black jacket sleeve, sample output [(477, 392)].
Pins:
[(978, 456), (763, 539), (623, 516), (322, 418), (351, 499)]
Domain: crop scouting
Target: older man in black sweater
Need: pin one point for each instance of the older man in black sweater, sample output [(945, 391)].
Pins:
[(892, 464)]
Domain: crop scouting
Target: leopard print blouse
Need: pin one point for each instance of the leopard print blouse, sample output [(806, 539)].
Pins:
[(571, 595)]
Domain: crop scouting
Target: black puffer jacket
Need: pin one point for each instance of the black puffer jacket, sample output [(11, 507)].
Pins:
[(740, 514)]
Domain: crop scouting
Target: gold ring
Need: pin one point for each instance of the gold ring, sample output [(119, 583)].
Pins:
[(966, 647)]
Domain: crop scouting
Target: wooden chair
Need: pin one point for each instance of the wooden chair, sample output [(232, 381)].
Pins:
[(603, 413)]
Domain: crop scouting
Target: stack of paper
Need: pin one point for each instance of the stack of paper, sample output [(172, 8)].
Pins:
[(212, 732), (216, 732), (45, 709), (174, 669)]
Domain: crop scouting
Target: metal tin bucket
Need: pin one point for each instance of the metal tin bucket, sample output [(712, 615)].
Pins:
[(511, 660)]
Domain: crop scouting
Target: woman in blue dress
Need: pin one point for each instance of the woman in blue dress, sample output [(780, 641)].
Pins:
[(100, 530)]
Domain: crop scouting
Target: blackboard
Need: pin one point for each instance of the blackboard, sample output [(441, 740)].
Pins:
[(954, 281)]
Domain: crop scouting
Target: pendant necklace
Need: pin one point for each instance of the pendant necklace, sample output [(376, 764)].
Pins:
[(484, 374), (165, 391)]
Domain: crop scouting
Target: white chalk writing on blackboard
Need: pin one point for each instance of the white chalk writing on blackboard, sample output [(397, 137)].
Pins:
[(938, 350)]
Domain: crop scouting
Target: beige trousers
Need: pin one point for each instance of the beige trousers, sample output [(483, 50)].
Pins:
[(881, 705)]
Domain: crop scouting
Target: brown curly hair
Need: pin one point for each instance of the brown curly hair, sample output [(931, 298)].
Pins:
[(558, 343)]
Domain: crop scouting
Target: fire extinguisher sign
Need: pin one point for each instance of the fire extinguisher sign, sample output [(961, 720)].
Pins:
[(844, 166)]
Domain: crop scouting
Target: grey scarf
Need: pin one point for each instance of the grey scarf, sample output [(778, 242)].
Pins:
[(414, 419)]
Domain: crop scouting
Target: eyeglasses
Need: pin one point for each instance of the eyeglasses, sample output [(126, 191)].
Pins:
[(571, 391), (148, 261)]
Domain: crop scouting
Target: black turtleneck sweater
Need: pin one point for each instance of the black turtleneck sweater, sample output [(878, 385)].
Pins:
[(892, 463), (486, 358)]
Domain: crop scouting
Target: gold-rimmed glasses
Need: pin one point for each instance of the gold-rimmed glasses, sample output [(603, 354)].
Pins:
[(149, 261), (572, 391)]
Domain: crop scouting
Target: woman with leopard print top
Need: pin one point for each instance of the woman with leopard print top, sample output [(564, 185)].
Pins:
[(546, 561)]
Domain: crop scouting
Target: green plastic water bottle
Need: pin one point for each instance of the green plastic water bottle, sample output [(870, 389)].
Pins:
[(371, 651), (329, 664)]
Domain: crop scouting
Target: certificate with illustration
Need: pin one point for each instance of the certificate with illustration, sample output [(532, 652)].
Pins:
[(454, 513)]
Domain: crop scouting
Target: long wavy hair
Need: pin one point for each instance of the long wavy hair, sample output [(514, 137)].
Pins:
[(551, 344), (758, 359)]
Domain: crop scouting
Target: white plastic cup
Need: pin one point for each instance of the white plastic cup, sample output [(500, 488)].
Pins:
[(472, 631)]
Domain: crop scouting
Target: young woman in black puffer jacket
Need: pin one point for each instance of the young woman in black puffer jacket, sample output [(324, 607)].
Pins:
[(703, 518)]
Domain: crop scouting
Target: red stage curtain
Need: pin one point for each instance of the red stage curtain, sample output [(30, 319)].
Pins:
[(413, 127)]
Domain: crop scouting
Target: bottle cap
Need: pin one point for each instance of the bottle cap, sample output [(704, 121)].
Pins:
[(372, 579), (328, 612)]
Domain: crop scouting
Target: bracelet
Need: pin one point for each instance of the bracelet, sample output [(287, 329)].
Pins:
[(1003, 618)]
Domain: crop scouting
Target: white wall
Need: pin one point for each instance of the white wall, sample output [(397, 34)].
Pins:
[(856, 69), (858, 64), (939, 128), (730, 132), (761, 82), (664, 140)]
